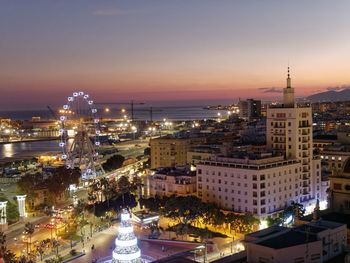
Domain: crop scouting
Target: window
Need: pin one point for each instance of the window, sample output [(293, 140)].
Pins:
[(199, 171), (316, 256), (299, 260), (337, 186)]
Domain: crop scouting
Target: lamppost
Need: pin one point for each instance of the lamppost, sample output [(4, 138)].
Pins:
[(70, 235), (57, 243), (233, 238)]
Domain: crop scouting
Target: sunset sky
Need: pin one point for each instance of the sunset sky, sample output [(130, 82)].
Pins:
[(169, 50)]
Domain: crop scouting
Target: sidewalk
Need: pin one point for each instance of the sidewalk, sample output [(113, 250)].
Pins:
[(98, 238)]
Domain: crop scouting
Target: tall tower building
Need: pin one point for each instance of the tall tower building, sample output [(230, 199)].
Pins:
[(289, 133), (288, 93)]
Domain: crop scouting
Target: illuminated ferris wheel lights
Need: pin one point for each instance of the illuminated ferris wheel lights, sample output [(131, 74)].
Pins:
[(85, 134)]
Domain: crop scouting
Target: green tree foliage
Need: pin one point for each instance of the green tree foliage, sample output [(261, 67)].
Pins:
[(147, 151), (62, 179), (190, 210), (114, 162), (57, 183), (183, 209), (28, 183), (5, 254)]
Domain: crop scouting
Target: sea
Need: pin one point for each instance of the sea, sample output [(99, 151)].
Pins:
[(183, 113), (174, 113)]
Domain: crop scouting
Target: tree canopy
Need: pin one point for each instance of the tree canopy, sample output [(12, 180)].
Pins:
[(114, 162)]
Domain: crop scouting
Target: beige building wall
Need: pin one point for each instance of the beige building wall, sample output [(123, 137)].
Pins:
[(289, 133), (167, 152), (196, 157)]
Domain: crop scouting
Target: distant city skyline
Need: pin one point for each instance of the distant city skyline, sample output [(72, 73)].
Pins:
[(170, 50)]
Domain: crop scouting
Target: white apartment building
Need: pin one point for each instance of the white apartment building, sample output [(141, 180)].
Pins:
[(168, 181), (265, 185), (289, 133), (262, 185)]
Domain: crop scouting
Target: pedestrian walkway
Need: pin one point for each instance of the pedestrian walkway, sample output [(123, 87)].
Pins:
[(99, 246)]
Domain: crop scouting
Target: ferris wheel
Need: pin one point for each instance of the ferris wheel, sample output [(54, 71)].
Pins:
[(80, 135)]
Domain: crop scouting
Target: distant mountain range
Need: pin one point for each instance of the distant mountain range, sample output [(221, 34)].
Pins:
[(331, 95)]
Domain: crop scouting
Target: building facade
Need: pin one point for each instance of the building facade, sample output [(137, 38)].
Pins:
[(318, 241), (339, 192), (250, 109), (169, 151), (168, 181), (261, 186), (289, 133)]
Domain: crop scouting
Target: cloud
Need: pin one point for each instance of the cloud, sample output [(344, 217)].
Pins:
[(113, 12), (338, 88), (271, 90)]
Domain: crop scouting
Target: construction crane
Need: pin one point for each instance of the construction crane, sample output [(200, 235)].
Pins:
[(131, 103), (53, 113), (132, 109)]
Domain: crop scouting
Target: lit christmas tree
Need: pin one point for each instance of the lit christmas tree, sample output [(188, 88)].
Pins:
[(126, 250)]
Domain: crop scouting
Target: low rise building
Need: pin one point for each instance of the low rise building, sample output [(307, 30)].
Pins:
[(317, 241), (169, 151), (258, 183), (201, 152), (339, 192), (168, 181)]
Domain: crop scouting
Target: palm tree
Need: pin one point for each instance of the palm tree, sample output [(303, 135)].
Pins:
[(29, 229), (2, 244), (124, 186)]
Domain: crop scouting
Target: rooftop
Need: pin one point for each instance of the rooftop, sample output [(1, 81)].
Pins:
[(248, 163), (288, 239), (267, 231), (175, 171)]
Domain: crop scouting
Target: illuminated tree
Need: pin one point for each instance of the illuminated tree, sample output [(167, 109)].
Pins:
[(126, 250)]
